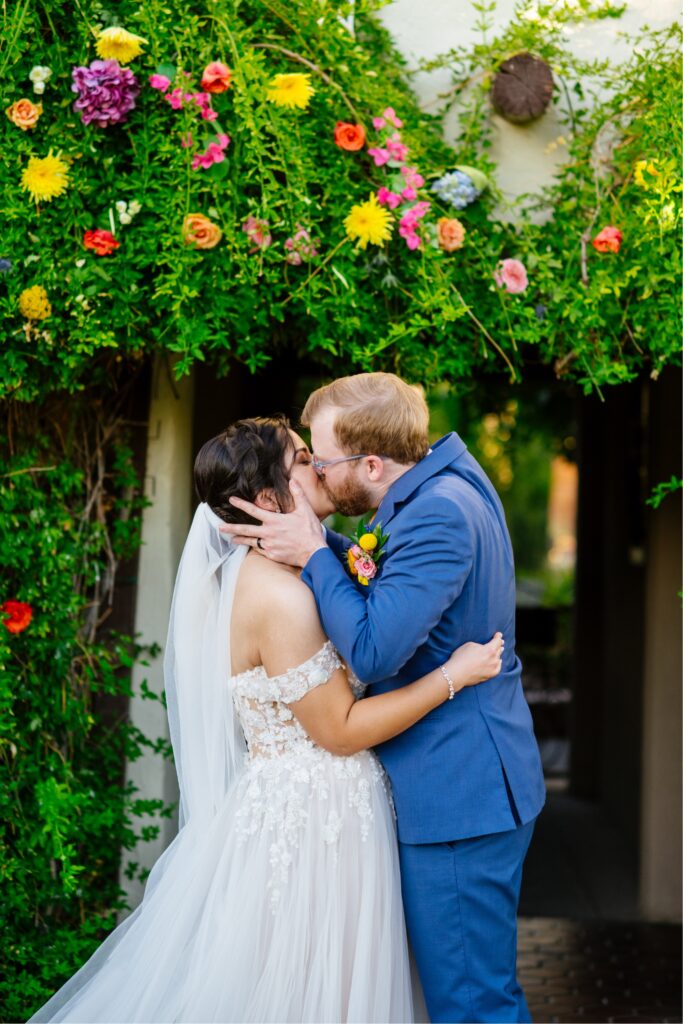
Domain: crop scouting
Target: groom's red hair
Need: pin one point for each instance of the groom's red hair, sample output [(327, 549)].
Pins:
[(377, 413)]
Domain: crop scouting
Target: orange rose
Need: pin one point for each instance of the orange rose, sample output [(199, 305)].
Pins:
[(216, 77), (450, 233), (349, 136), (24, 114), (18, 613), (201, 232), (101, 242), (608, 240)]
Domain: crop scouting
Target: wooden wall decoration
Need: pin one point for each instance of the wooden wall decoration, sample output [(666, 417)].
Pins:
[(522, 88)]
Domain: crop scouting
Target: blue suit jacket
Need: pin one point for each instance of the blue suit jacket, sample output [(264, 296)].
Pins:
[(447, 577)]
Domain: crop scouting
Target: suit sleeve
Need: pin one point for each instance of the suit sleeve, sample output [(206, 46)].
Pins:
[(338, 543), (422, 576)]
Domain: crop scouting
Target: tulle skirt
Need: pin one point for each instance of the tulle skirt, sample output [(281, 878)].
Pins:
[(286, 906)]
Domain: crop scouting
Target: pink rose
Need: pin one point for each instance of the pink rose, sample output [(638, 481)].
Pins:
[(357, 551), (511, 275), (366, 567)]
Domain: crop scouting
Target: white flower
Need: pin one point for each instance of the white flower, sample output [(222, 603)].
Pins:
[(39, 75), (125, 218), (121, 206), (134, 208)]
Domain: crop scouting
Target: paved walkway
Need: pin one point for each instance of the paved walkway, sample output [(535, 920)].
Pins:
[(581, 971)]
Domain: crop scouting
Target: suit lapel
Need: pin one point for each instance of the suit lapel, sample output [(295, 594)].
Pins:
[(445, 451)]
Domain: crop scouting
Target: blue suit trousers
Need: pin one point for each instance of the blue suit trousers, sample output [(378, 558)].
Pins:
[(460, 901)]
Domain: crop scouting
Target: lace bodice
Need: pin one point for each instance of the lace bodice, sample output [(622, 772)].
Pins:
[(290, 781), (262, 703)]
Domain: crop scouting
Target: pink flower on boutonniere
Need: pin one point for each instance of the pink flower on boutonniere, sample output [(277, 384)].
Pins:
[(366, 568)]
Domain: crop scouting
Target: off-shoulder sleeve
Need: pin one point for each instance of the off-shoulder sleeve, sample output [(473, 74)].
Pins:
[(297, 682)]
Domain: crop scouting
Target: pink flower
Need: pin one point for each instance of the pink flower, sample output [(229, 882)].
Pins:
[(511, 275), (357, 550), (160, 82), (175, 98), (378, 123), (366, 567), (390, 115), (413, 179), (186, 140), (397, 149), (213, 154), (300, 247), (409, 193), (385, 197), (380, 156), (258, 232)]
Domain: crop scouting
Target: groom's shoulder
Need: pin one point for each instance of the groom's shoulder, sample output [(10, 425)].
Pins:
[(442, 497)]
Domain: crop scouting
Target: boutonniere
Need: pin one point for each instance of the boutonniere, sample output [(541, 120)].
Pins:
[(364, 554)]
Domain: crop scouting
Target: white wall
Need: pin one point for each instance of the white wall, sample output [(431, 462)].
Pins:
[(168, 485)]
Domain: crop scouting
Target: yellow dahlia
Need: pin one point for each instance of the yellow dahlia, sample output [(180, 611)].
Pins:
[(291, 90), (117, 44), (45, 177), (368, 223), (34, 303)]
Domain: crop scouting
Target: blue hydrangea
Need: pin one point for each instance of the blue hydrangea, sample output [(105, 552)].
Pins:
[(5, 266), (456, 188)]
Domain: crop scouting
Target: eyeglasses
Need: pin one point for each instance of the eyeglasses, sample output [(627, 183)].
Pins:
[(319, 466)]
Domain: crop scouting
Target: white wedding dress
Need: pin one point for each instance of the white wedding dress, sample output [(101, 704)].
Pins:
[(285, 907)]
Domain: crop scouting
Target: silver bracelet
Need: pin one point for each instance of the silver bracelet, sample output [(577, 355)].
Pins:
[(451, 684)]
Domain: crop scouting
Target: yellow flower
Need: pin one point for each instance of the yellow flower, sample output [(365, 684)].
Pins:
[(368, 542), (291, 90), (639, 174), (363, 581), (45, 178), (34, 303), (369, 223), (118, 44)]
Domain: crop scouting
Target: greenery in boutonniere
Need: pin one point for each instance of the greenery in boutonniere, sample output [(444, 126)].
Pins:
[(365, 552)]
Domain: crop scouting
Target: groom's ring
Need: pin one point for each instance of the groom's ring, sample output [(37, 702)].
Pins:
[(259, 545)]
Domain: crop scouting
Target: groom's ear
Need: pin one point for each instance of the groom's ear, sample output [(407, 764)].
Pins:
[(375, 467)]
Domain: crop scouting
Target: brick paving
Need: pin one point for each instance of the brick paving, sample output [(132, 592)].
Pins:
[(583, 971)]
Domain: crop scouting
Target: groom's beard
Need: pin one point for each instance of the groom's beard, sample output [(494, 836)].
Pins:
[(351, 498)]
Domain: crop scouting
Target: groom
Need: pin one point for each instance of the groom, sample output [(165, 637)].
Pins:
[(466, 780)]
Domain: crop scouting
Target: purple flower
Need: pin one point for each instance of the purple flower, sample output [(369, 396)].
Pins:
[(5, 266), (106, 92)]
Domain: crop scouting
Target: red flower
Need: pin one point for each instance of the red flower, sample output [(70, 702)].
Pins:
[(101, 242), (18, 613), (216, 77), (608, 240), (349, 136)]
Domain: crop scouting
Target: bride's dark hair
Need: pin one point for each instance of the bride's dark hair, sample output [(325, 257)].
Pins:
[(242, 461)]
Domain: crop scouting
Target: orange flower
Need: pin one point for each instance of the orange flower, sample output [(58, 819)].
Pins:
[(352, 559), (216, 77), (201, 232), (101, 242), (450, 233), (24, 114), (18, 613), (608, 240), (349, 136)]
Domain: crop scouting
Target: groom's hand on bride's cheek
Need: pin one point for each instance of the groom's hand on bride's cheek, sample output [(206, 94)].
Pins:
[(290, 537)]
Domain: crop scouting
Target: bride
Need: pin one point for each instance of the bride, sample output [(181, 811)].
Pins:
[(280, 898)]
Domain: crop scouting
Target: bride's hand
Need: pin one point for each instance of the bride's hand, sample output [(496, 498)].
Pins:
[(475, 663)]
